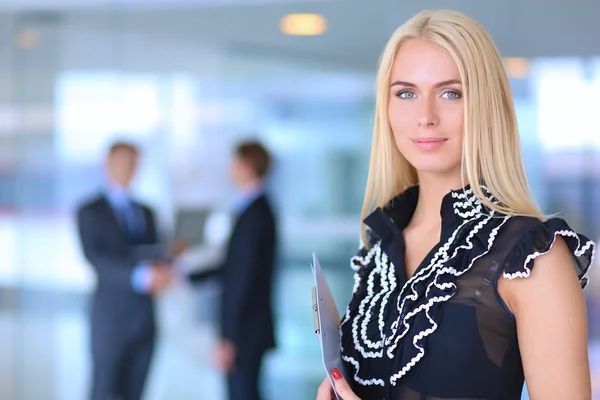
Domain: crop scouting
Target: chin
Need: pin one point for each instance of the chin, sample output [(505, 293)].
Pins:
[(437, 168)]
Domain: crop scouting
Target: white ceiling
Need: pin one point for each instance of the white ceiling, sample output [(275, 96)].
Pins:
[(358, 29), (87, 4)]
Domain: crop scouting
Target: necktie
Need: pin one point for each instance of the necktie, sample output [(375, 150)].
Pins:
[(133, 219)]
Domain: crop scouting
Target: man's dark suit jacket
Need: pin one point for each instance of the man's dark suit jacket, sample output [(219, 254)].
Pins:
[(117, 310), (247, 276)]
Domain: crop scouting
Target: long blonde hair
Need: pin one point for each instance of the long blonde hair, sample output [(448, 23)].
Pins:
[(491, 145)]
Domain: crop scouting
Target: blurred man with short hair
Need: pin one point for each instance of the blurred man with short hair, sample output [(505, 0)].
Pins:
[(246, 323), (112, 226)]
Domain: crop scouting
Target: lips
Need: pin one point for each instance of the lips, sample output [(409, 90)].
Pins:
[(429, 140), (429, 143)]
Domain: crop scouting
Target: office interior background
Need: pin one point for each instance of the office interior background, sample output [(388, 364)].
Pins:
[(187, 79)]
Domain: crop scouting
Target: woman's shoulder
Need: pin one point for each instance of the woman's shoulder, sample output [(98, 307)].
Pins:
[(527, 238)]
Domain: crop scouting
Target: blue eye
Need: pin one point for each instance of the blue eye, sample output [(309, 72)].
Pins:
[(451, 95), (406, 94)]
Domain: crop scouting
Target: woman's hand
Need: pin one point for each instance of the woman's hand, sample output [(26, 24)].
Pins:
[(341, 386)]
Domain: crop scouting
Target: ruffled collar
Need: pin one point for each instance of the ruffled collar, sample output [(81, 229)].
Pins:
[(457, 206), (466, 236)]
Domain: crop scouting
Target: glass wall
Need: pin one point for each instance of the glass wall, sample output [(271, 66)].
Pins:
[(70, 83)]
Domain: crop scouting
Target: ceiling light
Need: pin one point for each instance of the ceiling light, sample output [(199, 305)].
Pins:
[(516, 68), (303, 24), (28, 39)]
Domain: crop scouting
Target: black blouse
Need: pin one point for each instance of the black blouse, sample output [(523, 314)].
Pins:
[(445, 333)]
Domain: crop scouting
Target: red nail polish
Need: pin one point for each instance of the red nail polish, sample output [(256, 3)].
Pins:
[(337, 375)]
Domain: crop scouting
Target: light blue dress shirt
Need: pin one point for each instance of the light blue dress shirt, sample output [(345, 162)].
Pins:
[(120, 200), (245, 197)]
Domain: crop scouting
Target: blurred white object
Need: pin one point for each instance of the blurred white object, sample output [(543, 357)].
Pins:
[(217, 228), (200, 258)]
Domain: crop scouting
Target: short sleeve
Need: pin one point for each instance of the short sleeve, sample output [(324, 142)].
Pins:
[(538, 239)]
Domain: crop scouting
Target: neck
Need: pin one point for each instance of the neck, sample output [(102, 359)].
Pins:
[(251, 186), (117, 186), (432, 189)]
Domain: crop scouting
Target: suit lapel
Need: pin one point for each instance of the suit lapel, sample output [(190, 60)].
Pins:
[(111, 216)]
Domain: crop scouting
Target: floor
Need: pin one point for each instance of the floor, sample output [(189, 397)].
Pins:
[(43, 342)]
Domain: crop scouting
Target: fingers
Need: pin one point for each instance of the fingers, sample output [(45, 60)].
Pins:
[(342, 387), (230, 355), (178, 247), (224, 357), (325, 391), (157, 264), (161, 279)]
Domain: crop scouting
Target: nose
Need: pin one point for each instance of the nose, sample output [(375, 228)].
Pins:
[(428, 116)]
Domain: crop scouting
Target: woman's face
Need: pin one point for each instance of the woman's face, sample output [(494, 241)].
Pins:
[(426, 108)]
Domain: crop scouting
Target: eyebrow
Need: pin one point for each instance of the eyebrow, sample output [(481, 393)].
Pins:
[(437, 85)]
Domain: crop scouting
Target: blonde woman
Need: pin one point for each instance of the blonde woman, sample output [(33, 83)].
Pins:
[(462, 288)]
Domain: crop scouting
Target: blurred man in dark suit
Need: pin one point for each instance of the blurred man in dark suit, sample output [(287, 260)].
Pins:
[(246, 314), (118, 236)]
